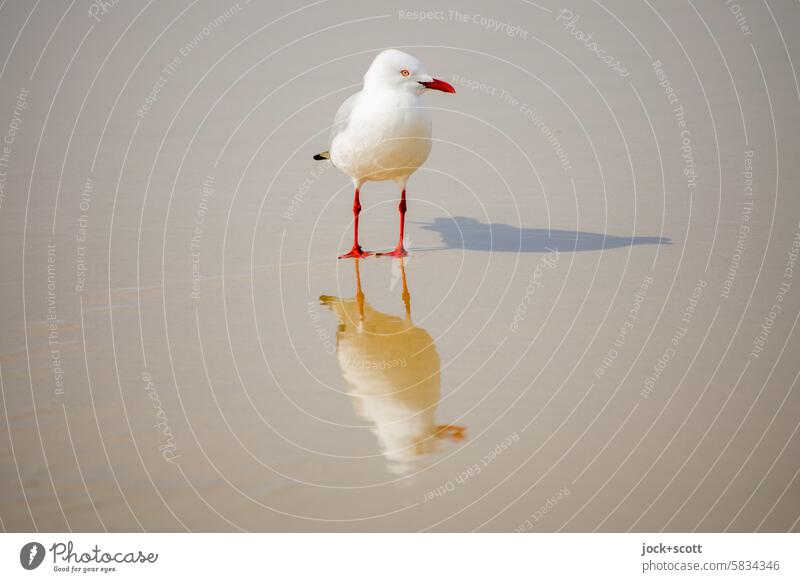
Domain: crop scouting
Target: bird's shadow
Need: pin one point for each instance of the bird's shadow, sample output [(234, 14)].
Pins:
[(460, 232)]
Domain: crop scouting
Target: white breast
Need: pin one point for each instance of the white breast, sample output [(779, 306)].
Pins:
[(381, 135)]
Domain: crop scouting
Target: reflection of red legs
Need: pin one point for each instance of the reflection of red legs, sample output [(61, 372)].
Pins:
[(359, 293), (399, 250), (451, 431), (356, 251)]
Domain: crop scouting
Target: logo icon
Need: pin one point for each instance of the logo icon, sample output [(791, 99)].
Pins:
[(31, 555)]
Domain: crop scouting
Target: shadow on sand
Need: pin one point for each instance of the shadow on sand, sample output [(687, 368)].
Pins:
[(461, 232)]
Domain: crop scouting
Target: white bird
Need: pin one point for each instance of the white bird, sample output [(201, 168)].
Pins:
[(383, 132)]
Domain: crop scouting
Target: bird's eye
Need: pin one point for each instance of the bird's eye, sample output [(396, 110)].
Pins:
[(405, 72)]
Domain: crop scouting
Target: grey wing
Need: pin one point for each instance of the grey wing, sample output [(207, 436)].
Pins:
[(343, 115)]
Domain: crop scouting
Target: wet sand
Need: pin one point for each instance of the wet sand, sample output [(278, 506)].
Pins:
[(595, 329)]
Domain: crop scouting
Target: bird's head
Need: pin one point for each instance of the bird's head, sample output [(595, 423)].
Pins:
[(397, 70)]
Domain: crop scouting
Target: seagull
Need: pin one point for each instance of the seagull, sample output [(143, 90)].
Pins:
[(383, 132)]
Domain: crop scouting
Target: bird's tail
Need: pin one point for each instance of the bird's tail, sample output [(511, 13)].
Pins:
[(326, 155)]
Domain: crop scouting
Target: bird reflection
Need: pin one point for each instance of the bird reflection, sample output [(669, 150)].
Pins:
[(391, 369)]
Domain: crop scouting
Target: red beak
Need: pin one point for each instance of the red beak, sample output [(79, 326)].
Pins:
[(439, 86)]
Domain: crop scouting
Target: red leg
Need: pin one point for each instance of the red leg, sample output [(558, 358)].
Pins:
[(399, 250), (356, 250)]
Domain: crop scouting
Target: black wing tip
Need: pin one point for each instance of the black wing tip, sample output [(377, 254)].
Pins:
[(322, 156)]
